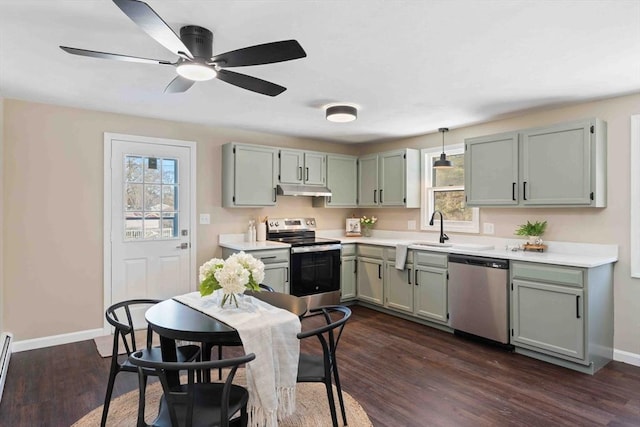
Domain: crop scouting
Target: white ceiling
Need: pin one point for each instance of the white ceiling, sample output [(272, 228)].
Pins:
[(411, 66)]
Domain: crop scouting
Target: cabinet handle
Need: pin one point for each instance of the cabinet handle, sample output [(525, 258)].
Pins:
[(374, 196), (329, 201), (275, 195), (513, 192), (379, 271), (307, 178), (577, 306), (286, 280), (267, 257), (409, 276), (300, 173), (524, 190), (381, 195), (415, 279)]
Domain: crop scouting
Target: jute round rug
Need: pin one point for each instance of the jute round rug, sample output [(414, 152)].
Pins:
[(312, 408)]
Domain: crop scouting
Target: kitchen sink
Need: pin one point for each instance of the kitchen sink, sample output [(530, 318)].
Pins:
[(464, 246), (434, 244)]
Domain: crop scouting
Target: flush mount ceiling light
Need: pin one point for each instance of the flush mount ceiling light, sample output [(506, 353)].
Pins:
[(341, 113), (196, 71), (442, 163)]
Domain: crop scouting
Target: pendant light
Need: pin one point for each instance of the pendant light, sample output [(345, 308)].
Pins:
[(442, 163)]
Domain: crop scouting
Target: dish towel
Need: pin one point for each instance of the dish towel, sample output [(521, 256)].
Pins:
[(270, 333), (401, 255)]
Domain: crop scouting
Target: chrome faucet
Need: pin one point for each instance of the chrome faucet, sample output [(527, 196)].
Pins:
[(443, 236)]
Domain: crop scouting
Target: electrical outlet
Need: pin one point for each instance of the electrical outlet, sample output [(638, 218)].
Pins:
[(411, 225), (205, 219), (487, 228)]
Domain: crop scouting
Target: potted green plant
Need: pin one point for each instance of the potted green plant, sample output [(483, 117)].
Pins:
[(533, 231)]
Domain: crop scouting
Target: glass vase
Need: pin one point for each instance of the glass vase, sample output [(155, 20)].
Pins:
[(366, 231)]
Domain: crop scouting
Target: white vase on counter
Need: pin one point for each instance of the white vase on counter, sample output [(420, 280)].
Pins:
[(261, 233)]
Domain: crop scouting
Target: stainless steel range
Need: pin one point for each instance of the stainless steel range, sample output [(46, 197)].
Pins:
[(314, 262)]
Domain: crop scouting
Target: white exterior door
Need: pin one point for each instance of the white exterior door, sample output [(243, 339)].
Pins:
[(151, 196)]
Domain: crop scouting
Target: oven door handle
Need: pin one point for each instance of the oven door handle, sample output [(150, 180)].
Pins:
[(316, 248)]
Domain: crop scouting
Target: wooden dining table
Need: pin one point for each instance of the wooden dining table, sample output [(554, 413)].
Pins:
[(172, 321)]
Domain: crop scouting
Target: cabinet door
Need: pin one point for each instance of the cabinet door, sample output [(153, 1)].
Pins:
[(370, 280), (556, 165), (392, 178), (255, 186), (430, 293), (491, 170), (348, 278), (314, 168), (291, 166), (277, 276), (398, 288), (548, 317), (368, 181), (342, 180)]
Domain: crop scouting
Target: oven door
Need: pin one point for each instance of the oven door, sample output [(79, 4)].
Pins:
[(315, 269)]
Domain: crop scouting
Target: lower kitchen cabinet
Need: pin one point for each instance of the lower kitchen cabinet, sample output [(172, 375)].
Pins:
[(276, 266), (370, 287), (398, 284), (348, 273), (563, 314), (430, 286)]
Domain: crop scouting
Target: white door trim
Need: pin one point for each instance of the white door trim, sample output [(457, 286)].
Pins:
[(108, 142), (635, 196)]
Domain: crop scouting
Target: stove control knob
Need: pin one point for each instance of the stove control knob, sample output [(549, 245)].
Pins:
[(277, 224), (313, 222)]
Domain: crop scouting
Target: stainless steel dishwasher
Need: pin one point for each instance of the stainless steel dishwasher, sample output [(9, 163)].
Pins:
[(479, 296)]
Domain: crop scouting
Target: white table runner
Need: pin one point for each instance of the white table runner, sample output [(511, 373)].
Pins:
[(270, 333)]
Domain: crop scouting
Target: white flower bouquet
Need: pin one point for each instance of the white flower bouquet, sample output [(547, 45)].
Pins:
[(239, 272), (368, 222)]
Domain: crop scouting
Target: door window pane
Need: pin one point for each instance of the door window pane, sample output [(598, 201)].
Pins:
[(151, 207), (151, 169), (133, 197), (169, 171)]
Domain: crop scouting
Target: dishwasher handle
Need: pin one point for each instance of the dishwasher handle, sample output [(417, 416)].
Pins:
[(502, 264)]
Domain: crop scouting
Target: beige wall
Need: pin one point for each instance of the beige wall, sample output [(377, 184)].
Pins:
[(53, 205)]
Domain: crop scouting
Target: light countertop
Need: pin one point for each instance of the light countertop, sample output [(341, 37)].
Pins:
[(585, 255)]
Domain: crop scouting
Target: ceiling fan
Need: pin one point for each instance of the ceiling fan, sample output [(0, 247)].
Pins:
[(194, 47)]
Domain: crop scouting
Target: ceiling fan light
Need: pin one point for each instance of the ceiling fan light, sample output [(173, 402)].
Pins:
[(341, 113), (196, 72)]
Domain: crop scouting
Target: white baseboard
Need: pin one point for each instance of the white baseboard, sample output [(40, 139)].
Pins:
[(626, 357), (43, 342)]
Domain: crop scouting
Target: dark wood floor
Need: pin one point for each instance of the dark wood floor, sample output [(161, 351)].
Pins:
[(402, 373)]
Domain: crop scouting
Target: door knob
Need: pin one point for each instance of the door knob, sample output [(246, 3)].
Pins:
[(183, 246)]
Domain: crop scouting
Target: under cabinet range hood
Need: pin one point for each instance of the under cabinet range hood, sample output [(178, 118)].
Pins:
[(303, 190)]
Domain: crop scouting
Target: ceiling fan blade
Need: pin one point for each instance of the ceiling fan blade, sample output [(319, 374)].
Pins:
[(178, 85), (147, 19), (250, 83), (267, 53), (117, 57)]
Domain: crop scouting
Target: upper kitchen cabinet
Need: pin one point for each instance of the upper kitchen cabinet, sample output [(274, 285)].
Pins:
[(302, 167), (342, 180), (244, 184), (560, 165), (390, 179)]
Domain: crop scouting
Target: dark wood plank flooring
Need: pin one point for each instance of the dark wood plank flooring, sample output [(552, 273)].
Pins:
[(403, 374)]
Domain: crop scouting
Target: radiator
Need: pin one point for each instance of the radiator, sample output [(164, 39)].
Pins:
[(5, 343)]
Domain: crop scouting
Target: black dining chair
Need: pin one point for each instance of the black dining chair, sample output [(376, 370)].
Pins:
[(320, 367), (196, 403), (119, 316)]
